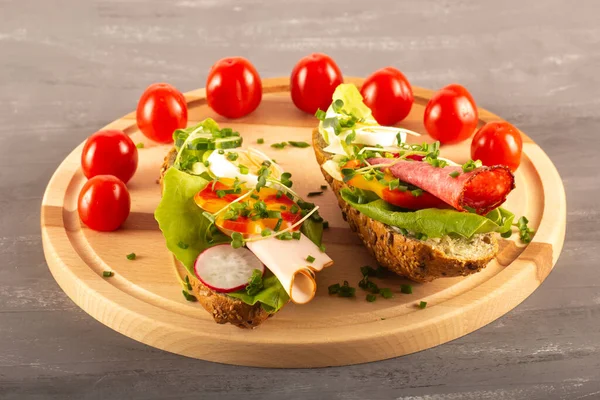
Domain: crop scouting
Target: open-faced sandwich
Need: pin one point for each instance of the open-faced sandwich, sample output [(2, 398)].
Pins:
[(420, 215), (227, 213)]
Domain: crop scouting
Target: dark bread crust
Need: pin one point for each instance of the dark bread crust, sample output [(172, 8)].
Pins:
[(408, 257), (224, 309)]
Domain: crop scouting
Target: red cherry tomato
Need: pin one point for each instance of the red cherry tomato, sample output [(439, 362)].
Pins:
[(388, 94), (161, 110), (233, 87), (104, 203), (109, 152), (409, 201), (498, 143), (313, 81), (451, 115)]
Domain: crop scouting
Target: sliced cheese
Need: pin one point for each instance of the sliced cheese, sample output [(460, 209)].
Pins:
[(286, 259)]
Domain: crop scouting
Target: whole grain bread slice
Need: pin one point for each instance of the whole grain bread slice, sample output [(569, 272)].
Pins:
[(418, 260), (224, 309)]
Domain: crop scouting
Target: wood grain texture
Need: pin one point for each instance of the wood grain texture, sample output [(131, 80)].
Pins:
[(143, 300), (80, 68)]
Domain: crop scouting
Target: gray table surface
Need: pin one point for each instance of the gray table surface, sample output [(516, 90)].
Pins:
[(69, 67)]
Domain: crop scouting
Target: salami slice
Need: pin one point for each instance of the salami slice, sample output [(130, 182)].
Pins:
[(482, 189)]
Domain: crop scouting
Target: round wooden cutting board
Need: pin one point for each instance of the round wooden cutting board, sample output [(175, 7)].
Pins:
[(143, 300)]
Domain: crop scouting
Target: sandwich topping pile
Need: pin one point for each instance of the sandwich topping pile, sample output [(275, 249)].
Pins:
[(216, 193), (426, 203)]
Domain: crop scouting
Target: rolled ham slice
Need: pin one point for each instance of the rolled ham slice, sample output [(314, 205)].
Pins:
[(482, 189), (286, 259)]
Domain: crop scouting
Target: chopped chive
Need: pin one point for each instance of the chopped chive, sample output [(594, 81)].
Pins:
[(260, 140), (107, 274), (386, 293), (320, 114), (323, 187), (220, 193), (206, 163), (334, 289), (294, 209), (346, 290), (312, 194), (416, 192), (140, 145), (221, 151), (278, 224), (371, 298), (284, 236), (322, 248), (182, 245), (131, 256), (187, 282), (188, 296), (296, 235), (265, 233), (243, 169), (279, 145), (325, 224), (254, 196), (302, 145), (394, 184), (422, 304), (471, 165), (368, 285), (406, 289), (310, 259), (367, 271), (454, 174), (232, 156), (279, 194)]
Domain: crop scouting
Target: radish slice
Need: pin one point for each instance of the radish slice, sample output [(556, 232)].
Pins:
[(225, 269)]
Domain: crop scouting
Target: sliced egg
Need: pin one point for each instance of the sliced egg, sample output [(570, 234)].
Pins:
[(250, 159), (370, 135)]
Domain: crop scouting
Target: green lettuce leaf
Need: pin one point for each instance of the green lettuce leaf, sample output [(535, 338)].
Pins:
[(432, 222), (313, 230), (185, 229), (353, 101), (272, 297)]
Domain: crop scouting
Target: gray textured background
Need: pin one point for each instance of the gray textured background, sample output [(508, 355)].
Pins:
[(69, 67)]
